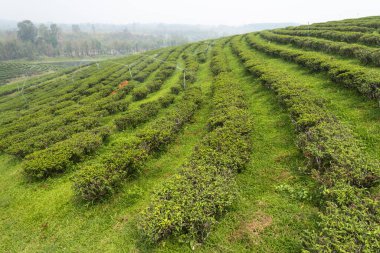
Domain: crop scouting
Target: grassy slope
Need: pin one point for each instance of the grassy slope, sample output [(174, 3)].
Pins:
[(43, 217), (360, 113), (341, 59), (263, 219)]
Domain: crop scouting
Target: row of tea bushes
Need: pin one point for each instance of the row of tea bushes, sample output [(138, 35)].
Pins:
[(349, 217), (366, 55), (98, 181), (364, 80), (189, 204)]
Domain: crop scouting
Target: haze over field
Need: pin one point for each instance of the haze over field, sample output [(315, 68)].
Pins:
[(210, 12)]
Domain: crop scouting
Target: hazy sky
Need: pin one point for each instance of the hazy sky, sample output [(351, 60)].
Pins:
[(213, 12)]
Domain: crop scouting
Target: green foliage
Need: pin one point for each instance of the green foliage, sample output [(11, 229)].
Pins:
[(365, 54), (345, 36), (175, 89), (295, 192), (218, 61), (60, 119), (70, 105), (140, 93), (138, 116), (332, 148), (366, 81), (342, 168), (349, 223), (12, 70), (189, 204), (27, 31), (126, 157), (99, 181), (61, 155), (166, 100)]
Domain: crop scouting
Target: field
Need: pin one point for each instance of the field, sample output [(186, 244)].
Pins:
[(9, 71), (262, 142)]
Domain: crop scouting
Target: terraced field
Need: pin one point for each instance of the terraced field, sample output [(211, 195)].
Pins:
[(10, 71), (263, 142)]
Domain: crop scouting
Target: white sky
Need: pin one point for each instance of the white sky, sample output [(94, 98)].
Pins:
[(211, 12)]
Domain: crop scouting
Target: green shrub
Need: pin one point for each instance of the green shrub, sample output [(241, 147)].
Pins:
[(166, 100), (349, 223), (62, 155), (364, 80), (189, 204), (366, 55), (140, 93), (349, 218), (154, 86), (95, 182), (138, 116), (127, 156), (175, 89)]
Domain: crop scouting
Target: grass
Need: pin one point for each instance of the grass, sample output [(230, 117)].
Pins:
[(264, 219), (276, 201), (42, 217), (361, 114)]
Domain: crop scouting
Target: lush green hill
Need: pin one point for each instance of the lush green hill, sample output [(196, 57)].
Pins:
[(263, 142)]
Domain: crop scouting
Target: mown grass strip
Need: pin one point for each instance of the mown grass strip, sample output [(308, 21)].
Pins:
[(366, 55), (98, 181), (364, 80), (189, 204), (343, 170)]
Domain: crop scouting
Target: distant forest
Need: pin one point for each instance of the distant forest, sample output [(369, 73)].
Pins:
[(30, 41), (27, 40)]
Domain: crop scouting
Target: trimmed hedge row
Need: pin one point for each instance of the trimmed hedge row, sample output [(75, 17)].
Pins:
[(59, 157), (11, 70), (340, 163), (218, 63), (13, 87), (189, 204), (58, 120), (43, 111), (140, 93), (370, 22), (144, 113), (340, 28), (61, 127), (141, 75), (366, 81), (366, 55), (191, 66), (25, 143), (166, 69), (369, 39), (68, 86), (202, 51), (94, 183)]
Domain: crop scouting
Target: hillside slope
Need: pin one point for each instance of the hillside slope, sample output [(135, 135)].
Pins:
[(263, 142)]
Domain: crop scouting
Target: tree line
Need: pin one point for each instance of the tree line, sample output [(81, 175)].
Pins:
[(30, 41)]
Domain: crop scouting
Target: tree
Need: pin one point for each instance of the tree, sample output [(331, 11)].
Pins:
[(75, 28), (43, 32), (54, 35), (27, 31)]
